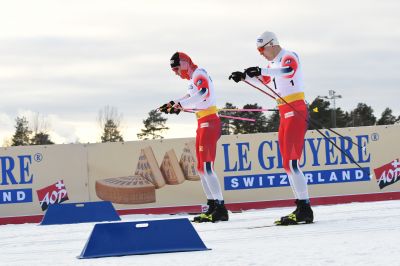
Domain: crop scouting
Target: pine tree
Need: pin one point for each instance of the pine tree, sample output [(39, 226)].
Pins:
[(343, 119), (387, 118), (154, 125), (363, 115), (41, 138), (22, 132), (319, 111), (111, 132), (246, 127), (226, 123), (273, 122)]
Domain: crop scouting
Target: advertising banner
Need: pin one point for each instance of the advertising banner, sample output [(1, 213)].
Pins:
[(162, 173), (33, 177), (249, 168)]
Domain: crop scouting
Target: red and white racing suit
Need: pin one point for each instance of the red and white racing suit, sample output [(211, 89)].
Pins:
[(284, 75), (201, 97)]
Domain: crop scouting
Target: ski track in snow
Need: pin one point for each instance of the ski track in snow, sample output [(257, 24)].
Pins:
[(348, 234)]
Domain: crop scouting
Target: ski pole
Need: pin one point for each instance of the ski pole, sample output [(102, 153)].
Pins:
[(238, 110), (238, 118), (248, 110), (319, 131), (263, 91), (309, 119), (224, 116)]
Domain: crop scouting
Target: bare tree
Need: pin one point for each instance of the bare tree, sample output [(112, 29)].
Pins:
[(110, 120), (39, 123), (40, 127), (7, 142)]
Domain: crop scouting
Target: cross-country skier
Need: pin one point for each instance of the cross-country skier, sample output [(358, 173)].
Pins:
[(200, 96), (283, 73)]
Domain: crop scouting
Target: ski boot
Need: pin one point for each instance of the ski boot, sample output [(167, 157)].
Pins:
[(211, 208), (220, 213), (302, 214)]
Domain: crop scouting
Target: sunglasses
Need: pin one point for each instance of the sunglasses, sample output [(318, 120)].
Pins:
[(261, 49)]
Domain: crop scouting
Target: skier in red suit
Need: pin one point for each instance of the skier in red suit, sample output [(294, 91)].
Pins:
[(283, 74), (200, 97)]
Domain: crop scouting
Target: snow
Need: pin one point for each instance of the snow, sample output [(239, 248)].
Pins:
[(347, 234)]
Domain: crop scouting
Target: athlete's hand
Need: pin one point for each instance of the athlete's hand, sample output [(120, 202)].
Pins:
[(176, 109), (166, 108), (237, 76), (253, 71), (163, 108)]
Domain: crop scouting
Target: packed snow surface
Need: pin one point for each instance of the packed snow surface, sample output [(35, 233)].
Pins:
[(347, 234)]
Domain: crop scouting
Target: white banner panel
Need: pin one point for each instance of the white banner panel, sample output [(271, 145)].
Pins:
[(161, 173), (24, 170)]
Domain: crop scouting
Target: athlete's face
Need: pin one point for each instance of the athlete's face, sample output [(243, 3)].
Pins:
[(177, 70), (182, 70), (267, 51)]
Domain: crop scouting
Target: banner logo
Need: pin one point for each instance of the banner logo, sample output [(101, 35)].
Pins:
[(53, 194), (14, 174), (282, 180), (15, 196), (388, 174)]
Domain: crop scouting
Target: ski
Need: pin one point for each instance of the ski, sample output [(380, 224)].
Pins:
[(273, 225), (261, 226)]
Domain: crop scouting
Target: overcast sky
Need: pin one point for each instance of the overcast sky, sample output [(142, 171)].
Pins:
[(66, 60)]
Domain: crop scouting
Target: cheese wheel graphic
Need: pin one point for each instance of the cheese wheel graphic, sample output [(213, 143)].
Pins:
[(148, 168), (171, 169), (126, 190), (188, 162)]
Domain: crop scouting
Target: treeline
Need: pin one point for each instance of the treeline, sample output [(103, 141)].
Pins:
[(319, 110), (24, 136), (109, 120)]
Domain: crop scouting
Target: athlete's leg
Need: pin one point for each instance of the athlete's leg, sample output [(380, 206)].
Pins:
[(294, 132), (210, 132), (293, 139), (203, 179), (298, 181), (282, 145), (212, 181), (206, 188), (220, 212), (200, 168)]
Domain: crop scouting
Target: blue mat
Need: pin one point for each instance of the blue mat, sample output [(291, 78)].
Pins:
[(144, 237), (84, 212)]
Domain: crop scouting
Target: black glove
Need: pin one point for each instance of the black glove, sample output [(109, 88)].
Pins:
[(176, 110), (237, 76), (253, 71), (165, 108)]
